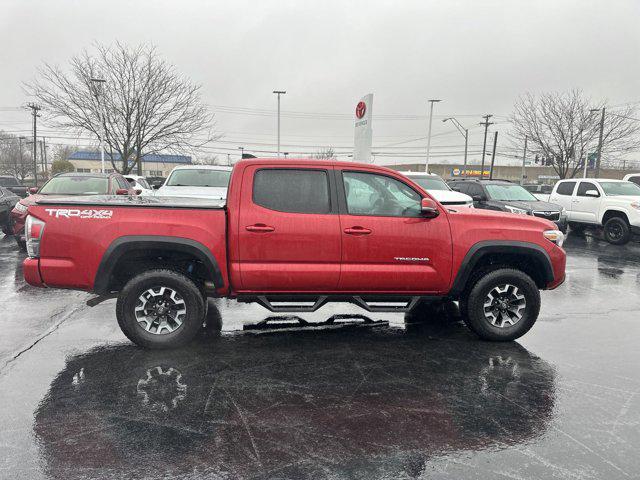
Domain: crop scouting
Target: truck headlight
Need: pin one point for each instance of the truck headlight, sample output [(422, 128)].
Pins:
[(519, 211), (555, 236)]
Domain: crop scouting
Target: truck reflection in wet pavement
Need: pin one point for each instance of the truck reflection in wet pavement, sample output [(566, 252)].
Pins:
[(368, 404)]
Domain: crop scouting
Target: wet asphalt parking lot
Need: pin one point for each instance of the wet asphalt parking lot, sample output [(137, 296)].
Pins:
[(78, 401)]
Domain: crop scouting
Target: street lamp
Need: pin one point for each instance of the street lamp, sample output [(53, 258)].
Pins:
[(279, 92), (432, 101), (593, 110), (97, 86), (465, 134), (241, 152)]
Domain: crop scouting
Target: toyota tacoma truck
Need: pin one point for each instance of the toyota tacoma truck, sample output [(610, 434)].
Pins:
[(293, 235), (613, 205)]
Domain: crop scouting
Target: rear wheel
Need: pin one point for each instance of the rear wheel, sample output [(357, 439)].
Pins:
[(160, 309), (502, 305), (617, 231), (22, 245)]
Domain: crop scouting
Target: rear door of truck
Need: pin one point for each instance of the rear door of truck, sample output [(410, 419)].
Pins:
[(289, 229)]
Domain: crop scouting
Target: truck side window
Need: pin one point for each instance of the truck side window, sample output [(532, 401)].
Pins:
[(379, 195), (583, 187), (565, 188), (291, 190)]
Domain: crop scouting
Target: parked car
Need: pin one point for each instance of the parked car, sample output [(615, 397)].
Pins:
[(611, 204), (541, 192), (205, 181), (155, 182), (439, 189), (64, 185), (633, 177), (292, 236), (139, 184), (8, 200), (11, 183), (506, 196)]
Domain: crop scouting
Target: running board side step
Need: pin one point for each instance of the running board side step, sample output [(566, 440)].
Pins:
[(309, 303)]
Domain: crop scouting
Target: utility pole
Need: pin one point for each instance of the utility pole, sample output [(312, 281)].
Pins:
[(44, 150), (597, 172), (524, 158), (465, 134), (21, 158), (431, 102), (486, 124), (97, 84), (34, 113), (493, 155), (279, 92)]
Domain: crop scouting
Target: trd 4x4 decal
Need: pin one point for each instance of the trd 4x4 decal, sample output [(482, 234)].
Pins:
[(75, 212)]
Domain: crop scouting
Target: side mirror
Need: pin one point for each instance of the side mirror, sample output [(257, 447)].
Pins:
[(429, 208), (122, 191), (33, 190), (479, 198), (138, 191), (156, 186), (592, 193)]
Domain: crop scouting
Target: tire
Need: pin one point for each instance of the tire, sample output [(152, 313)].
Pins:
[(617, 231), (433, 312), (502, 325), (176, 306), (577, 227), (22, 245)]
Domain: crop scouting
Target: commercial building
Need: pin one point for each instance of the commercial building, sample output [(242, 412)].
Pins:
[(155, 165)]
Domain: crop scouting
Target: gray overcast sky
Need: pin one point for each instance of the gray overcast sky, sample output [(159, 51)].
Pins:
[(477, 56)]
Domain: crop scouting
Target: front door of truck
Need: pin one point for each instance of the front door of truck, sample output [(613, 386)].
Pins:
[(289, 230), (585, 208), (387, 245)]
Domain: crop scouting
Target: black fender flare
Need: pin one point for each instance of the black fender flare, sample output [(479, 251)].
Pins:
[(487, 247), (122, 245)]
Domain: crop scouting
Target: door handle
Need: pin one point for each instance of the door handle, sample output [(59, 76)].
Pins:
[(357, 231), (259, 228)]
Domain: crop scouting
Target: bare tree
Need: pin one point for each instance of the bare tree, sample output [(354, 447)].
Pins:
[(144, 106), (326, 153), (562, 129), (63, 152), (15, 157)]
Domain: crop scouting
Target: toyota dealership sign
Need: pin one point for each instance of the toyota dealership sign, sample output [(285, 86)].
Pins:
[(363, 133)]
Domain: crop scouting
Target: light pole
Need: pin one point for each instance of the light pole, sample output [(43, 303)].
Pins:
[(279, 92), (586, 153), (21, 157), (241, 152), (431, 102), (465, 134), (597, 172), (97, 86)]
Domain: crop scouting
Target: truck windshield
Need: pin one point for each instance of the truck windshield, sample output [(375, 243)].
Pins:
[(76, 186), (613, 189), (199, 178), (8, 182), (513, 193), (430, 182)]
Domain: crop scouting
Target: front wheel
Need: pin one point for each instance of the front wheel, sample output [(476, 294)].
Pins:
[(160, 309), (617, 231), (502, 305)]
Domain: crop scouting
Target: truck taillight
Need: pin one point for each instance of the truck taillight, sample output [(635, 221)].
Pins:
[(34, 229)]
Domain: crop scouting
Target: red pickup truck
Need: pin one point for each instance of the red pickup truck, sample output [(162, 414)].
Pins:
[(292, 236)]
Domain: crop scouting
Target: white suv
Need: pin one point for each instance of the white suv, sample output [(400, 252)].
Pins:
[(612, 204), (438, 189)]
